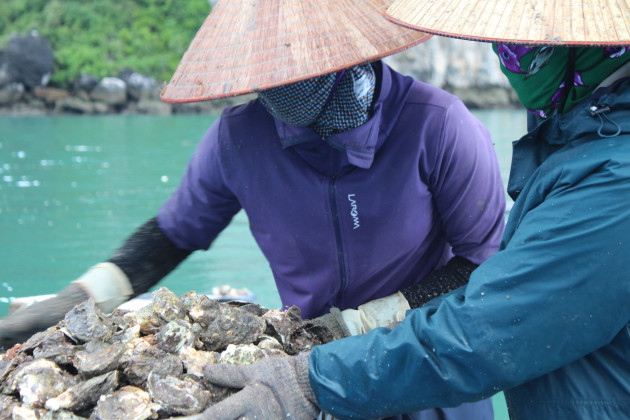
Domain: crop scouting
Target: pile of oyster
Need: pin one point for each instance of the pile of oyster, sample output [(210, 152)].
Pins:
[(144, 364)]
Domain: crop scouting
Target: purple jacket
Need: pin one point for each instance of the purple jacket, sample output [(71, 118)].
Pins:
[(358, 216)]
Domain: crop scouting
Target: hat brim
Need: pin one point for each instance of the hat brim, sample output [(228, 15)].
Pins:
[(244, 46), (538, 22)]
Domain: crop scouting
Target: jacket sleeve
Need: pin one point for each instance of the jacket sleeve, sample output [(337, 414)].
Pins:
[(147, 256), (462, 170), (556, 292), (202, 205)]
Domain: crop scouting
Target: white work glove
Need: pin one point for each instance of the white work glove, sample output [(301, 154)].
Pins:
[(390, 310), (376, 313), (107, 285)]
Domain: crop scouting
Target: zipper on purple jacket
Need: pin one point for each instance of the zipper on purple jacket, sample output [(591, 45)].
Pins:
[(337, 226)]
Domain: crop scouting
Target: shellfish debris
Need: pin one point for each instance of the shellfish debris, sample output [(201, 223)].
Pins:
[(145, 363)]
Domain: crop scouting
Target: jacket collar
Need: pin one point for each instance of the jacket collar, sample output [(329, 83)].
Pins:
[(360, 143), (607, 107), (606, 113)]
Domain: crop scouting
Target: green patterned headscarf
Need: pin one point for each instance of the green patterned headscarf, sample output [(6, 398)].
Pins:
[(539, 74)]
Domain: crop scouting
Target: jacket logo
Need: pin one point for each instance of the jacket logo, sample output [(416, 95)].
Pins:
[(354, 212)]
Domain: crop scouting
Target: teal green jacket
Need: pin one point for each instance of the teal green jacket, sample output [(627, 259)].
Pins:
[(546, 319)]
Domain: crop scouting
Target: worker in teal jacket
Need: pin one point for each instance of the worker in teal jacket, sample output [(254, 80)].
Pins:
[(545, 319)]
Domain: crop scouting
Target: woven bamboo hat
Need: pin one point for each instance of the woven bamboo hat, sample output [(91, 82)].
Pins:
[(532, 22), (245, 46)]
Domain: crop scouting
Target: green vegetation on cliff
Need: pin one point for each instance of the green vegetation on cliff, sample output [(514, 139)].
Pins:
[(102, 37)]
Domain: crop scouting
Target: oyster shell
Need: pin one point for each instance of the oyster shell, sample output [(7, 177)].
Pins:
[(84, 394), (242, 354), (57, 346), (283, 322), (167, 305), (176, 335), (143, 364), (189, 299), (129, 403), (86, 322), (148, 322), (127, 334), (10, 369), (223, 324), (267, 342), (252, 308), (195, 360), (305, 336), (40, 380), (24, 413), (144, 359), (7, 403), (97, 357), (178, 396)]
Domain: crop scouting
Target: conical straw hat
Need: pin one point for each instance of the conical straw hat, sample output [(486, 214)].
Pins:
[(245, 46), (532, 22)]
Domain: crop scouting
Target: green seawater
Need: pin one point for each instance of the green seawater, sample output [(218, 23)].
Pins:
[(72, 188)]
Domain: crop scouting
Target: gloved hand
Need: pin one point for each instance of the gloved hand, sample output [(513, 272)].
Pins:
[(20, 325), (273, 388), (105, 283), (390, 310), (377, 313)]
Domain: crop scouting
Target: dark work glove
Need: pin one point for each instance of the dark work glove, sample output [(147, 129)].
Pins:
[(453, 275), (273, 388), (20, 325), (334, 322)]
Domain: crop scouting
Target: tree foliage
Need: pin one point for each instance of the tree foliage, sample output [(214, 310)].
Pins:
[(102, 37)]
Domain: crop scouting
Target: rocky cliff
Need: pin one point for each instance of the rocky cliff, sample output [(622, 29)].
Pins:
[(468, 69)]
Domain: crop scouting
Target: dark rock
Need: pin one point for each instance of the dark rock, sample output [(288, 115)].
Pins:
[(74, 105), (29, 60), (50, 95), (11, 93), (35, 103), (154, 107), (125, 73), (100, 108), (5, 78), (140, 86), (85, 82), (110, 90), (21, 109), (487, 98)]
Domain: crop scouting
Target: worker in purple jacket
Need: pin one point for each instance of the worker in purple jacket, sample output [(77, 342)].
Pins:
[(369, 193)]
